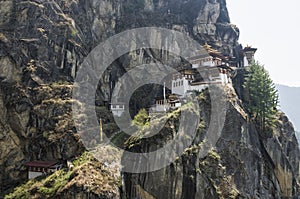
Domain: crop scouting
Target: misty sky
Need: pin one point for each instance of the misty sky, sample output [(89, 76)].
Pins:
[(274, 28)]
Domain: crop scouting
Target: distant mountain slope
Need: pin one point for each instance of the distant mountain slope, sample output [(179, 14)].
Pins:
[(289, 103)]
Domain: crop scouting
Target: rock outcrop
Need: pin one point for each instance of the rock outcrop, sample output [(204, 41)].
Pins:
[(89, 179), (243, 164)]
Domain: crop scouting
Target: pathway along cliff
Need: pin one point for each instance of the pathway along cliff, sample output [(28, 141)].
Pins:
[(42, 45)]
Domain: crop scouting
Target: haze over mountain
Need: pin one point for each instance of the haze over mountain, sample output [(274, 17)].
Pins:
[(289, 98)]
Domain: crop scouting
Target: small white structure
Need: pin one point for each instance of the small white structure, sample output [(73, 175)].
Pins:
[(161, 105), (181, 82), (117, 108), (249, 55), (175, 101), (172, 101), (38, 168), (70, 165)]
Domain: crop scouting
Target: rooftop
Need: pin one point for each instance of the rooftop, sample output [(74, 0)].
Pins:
[(249, 48), (117, 103), (42, 164), (186, 72)]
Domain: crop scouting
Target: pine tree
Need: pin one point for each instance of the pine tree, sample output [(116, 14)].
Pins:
[(261, 96)]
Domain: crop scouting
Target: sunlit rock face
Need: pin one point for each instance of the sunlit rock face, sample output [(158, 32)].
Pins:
[(42, 45)]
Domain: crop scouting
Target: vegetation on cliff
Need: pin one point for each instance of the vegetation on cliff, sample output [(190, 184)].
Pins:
[(88, 177), (141, 119), (261, 96)]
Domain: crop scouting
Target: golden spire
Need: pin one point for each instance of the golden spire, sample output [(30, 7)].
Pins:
[(101, 130)]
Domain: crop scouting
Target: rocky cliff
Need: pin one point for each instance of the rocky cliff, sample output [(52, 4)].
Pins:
[(43, 43), (243, 164)]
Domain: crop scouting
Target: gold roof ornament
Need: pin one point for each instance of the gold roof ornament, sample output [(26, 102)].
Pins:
[(209, 49), (207, 46)]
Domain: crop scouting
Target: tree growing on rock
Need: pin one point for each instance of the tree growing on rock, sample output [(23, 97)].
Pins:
[(141, 119), (261, 96)]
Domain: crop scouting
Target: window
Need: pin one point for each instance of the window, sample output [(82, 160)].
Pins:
[(181, 82)]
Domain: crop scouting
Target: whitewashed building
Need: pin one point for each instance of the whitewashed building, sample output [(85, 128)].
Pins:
[(38, 168), (207, 68), (249, 55), (161, 105), (213, 66), (171, 101), (117, 108)]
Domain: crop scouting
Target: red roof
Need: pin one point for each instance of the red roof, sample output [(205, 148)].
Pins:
[(42, 164)]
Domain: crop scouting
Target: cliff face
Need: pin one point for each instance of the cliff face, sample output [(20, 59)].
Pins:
[(243, 164), (42, 44)]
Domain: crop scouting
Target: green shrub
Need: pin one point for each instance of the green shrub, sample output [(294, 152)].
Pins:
[(141, 119)]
